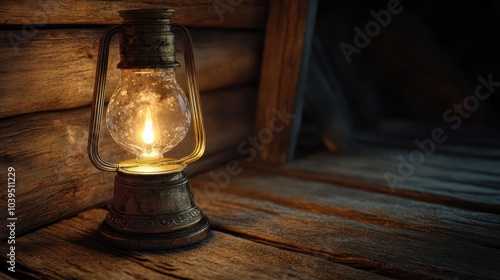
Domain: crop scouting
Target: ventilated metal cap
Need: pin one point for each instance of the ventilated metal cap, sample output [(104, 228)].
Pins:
[(147, 40)]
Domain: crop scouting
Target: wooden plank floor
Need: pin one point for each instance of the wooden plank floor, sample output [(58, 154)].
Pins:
[(320, 217)]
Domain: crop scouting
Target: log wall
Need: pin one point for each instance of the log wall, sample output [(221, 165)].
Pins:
[(48, 54)]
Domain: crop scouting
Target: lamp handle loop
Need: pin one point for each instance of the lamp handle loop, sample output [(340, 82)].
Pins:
[(194, 96), (99, 91), (98, 101)]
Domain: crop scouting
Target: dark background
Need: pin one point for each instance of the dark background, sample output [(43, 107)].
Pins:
[(427, 59)]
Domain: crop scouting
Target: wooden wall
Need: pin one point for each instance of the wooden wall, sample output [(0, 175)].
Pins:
[(48, 52), (285, 65)]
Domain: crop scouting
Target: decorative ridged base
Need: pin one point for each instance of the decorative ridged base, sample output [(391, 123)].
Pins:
[(136, 241), (151, 212)]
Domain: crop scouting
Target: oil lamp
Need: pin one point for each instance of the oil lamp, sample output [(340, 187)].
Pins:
[(147, 115)]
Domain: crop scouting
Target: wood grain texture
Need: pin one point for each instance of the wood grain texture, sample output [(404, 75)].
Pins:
[(233, 14), (69, 249), (269, 226), (362, 206), (383, 234), (56, 68), (6, 277), (458, 181), (284, 65), (55, 178)]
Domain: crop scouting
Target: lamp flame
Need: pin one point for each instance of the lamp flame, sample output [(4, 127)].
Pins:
[(147, 134)]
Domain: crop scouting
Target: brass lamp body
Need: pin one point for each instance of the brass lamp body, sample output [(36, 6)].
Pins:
[(153, 212), (153, 207)]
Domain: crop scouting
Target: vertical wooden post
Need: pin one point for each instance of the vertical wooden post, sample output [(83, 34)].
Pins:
[(287, 45)]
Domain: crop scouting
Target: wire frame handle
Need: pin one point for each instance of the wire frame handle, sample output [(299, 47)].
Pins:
[(99, 98)]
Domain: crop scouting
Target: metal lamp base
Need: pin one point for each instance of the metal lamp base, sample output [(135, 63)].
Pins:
[(151, 212), (154, 241)]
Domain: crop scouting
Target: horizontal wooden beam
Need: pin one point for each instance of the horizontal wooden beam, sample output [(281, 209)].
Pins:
[(56, 69), (55, 178), (219, 13)]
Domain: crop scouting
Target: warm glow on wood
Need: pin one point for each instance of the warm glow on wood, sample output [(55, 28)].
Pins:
[(147, 134)]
